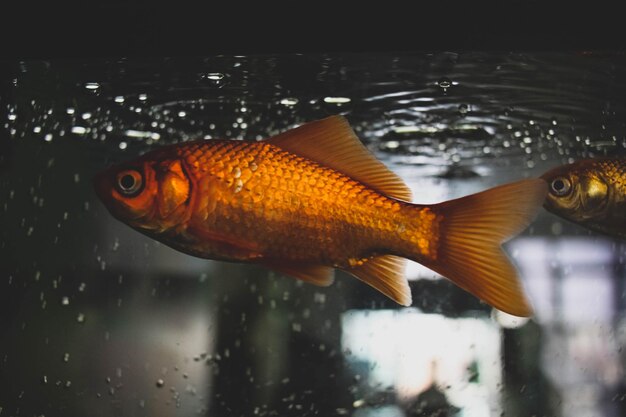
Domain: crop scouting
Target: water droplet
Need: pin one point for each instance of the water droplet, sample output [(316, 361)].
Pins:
[(79, 130), (319, 297), (66, 357), (337, 100), (463, 109), (119, 99), (358, 403), (37, 129), (253, 166), (92, 86), (214, 76), (236, 172), (48, 137), (444, 83), (160, 383), (12, 116), (65, 301), (70, 110), (143, 97), (44, 379), (123, 145), (80, 318), (289, 101), (86, 115), (182, 114), (392, 144)]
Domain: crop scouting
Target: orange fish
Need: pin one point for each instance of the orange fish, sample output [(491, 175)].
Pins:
[(313, 199)]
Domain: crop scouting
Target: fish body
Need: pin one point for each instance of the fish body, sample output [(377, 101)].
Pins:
[(590, 192), (313, 199)]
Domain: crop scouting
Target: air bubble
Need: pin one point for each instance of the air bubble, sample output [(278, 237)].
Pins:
[(289, 101), (444, 83), (214, 76), (337, 100)]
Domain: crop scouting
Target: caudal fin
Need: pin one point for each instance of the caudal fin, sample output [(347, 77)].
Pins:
[(471, 232)]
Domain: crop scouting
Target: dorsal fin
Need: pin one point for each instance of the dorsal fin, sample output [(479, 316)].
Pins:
[(386, 274), (332, 142)]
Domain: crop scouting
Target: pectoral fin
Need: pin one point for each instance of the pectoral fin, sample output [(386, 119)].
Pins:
[(386, 274)]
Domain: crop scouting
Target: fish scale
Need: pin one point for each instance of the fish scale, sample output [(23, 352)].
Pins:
[(295, 200)]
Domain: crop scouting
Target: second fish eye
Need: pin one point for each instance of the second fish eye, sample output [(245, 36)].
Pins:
[(129, 182), (560, 186)]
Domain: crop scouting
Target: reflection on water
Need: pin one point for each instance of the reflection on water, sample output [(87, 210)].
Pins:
[(577, 284), (412, 352), (100, 320)]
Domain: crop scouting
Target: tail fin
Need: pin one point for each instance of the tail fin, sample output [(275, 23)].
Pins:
[(471, 232)]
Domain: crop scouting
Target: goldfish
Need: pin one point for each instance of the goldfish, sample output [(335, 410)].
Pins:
[(591, 193), (314, 199)]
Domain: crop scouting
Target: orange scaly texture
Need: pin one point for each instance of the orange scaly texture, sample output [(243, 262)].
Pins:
[(256, 201)]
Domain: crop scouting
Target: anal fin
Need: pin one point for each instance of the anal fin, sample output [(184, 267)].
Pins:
[(386, 274), (318, 275)]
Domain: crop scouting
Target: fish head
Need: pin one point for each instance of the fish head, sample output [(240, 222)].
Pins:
[(577, 191), (149, 194)]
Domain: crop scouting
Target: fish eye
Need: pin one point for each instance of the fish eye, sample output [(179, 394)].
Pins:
[(129, 182), (560, 186)]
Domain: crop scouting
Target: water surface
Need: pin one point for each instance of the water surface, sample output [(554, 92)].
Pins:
[(100, 320)]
